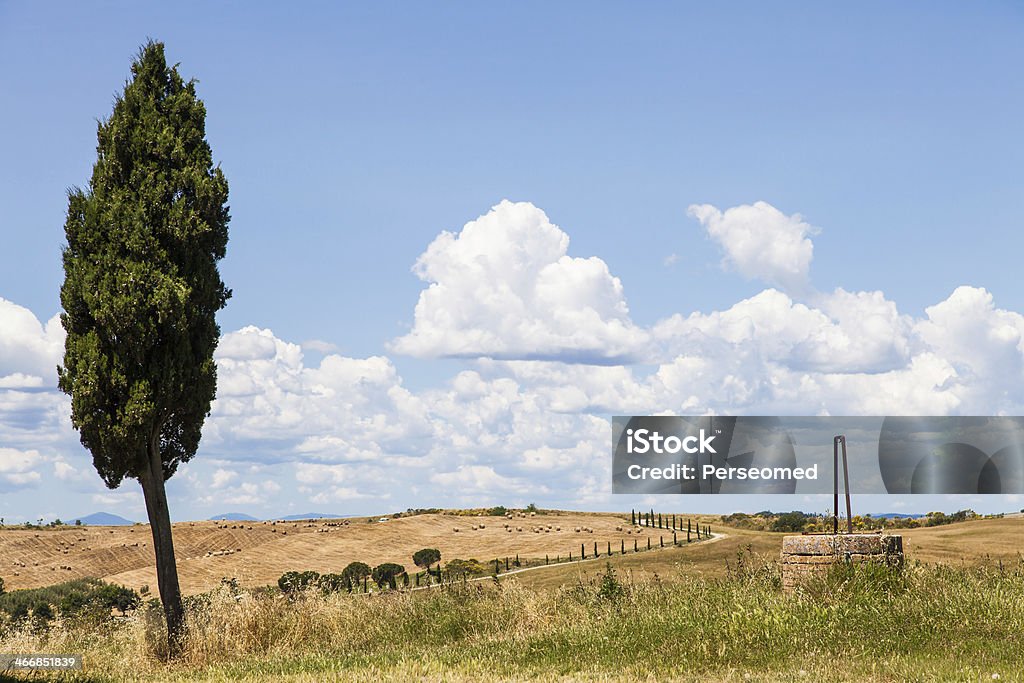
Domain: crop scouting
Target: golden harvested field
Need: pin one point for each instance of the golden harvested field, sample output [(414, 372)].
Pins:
[(972, 542), (257, 553)]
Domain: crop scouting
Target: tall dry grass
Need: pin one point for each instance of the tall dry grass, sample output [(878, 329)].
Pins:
[(928, 623)]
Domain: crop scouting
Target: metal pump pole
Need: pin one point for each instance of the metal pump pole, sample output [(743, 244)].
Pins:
[(840, 439)]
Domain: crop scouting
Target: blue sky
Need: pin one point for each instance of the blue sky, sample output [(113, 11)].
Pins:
[(353, 136)]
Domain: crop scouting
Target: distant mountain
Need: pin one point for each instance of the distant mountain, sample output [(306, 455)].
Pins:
[(313, 515), (234, 517), (102, 519), (894, 515)]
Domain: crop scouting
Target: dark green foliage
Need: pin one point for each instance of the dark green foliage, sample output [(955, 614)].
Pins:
[(72, 598), (387, 573), (120, 597), (141, 283), (497, 511), (790, 521), (333, 583), (293, 582), (42, 612), (426, 557), (610, 588), (354, 573), (140, 295), (1, 586), (532, 507)]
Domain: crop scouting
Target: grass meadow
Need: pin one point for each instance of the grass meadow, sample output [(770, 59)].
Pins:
[(930, 622)]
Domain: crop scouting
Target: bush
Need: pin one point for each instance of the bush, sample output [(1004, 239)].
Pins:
[(387, 573), (790, 521), (333, 583), (119, 597), (19, 612), (72, 598), (501, 511), (458, 568), (610, 588), (42, 612), (293, 582)]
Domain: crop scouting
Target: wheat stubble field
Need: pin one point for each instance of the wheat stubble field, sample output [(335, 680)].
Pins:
[(711, 610), (257, 553)]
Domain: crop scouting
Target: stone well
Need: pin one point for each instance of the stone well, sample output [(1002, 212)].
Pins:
[(806, 556)]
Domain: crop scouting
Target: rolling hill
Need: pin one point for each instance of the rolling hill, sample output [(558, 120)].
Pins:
[(257, 553)]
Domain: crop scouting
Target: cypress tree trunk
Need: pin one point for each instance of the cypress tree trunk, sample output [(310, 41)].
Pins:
[(151, 476)]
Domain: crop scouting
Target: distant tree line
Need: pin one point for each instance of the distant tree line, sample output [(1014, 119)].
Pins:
[(798, 522)]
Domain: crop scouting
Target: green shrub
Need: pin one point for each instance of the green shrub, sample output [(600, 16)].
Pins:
[(42, 612), (333, 583), (293, 582), (72, 598), (790, 521), (609, 587), (386, 574), (457, 568)]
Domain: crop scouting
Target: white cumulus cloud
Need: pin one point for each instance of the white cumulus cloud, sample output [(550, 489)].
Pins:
[(760, 242), (505, 287)]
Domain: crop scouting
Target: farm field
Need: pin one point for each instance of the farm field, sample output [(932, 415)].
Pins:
[(982, 541), (954, 615), (257, 553)]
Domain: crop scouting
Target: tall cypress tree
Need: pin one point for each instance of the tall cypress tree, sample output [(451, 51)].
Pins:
[(140, 295)]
